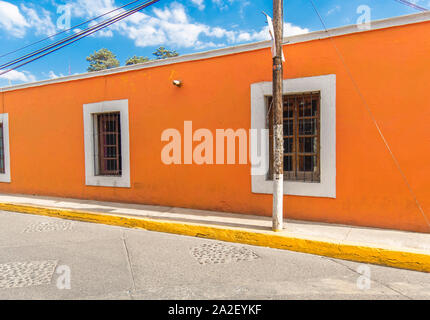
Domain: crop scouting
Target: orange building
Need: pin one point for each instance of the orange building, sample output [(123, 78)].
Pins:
[(356, 129)]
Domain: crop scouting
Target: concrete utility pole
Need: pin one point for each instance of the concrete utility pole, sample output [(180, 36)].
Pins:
[(278, 134)]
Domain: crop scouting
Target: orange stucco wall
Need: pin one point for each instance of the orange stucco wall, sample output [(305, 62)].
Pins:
[(390, 66)]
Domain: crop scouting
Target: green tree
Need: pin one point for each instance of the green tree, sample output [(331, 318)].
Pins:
[(135, 60), (163, 53), (101, 60)]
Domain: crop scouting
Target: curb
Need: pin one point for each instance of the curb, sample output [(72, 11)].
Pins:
[(410, 259)]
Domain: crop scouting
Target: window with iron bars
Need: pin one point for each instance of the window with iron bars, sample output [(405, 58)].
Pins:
[(2, 164), (301, 122), (108, 158)]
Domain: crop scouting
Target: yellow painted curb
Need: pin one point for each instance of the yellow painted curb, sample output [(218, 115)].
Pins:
[(382, 256)]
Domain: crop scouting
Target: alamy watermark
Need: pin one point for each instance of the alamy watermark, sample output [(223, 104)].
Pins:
[(64, 278), (224, 146), (65, 17), (364, 282), (365, 18)]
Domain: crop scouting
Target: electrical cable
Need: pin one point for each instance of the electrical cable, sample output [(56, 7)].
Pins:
[(103, 23), (412, 5), (71, 39), (71, 28)]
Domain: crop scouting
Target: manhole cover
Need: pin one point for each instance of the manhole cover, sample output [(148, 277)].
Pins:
[(26, 274), (215, 253), (49, 226)]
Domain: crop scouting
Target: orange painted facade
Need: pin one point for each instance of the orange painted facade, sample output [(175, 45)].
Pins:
[(390, 66)]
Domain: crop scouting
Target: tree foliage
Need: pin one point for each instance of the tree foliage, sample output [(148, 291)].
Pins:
[(135, 59), (105, 59), (163, 53), (101, 60)]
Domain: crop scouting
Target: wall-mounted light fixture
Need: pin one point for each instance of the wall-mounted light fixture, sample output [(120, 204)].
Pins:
[(177, 83)]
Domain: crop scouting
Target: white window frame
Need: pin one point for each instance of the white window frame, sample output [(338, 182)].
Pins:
[(5, 177), (327, 86), (90, 111)]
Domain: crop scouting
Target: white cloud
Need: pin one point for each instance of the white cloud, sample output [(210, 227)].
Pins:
[(333, 10), (199, 3), (208, 45), (171, 26), (222, 4), (53, 75), (17, 20), (292, 30), (176, 14), (218, 32), (43, 24), (15, 75), (263, 34), (92, 8), (12, 20)]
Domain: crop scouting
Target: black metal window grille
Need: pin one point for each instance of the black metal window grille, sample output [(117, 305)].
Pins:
[(301, 121), (109, 144), (2, 165)]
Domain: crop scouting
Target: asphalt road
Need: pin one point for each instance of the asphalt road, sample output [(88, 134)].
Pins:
[(48, 258)]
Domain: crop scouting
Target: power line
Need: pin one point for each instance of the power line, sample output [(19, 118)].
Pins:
[(396, 162), (71, 39), (412, 5), (71, 28), (10, 63)]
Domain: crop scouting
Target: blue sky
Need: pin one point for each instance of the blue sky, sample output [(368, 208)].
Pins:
[(183, 25)]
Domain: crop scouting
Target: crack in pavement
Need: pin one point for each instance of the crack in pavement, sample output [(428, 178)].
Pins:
[(379, 282), (129, 264)]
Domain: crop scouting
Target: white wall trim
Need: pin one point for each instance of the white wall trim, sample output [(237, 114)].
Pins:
[(327, 86), (91, 179), (340, 31), (5, 177)]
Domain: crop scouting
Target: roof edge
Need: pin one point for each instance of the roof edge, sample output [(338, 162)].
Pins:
[(316, 35)]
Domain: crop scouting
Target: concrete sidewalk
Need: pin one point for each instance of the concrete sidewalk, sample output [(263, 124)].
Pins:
[(399, 249)]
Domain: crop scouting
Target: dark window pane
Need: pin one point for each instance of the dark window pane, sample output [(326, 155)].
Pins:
[(307, 126), (305, 109), (288, 108), (314, 107), (307, 145), (306, 163), (288, 127), (111, 164), (288, 163), (111, 152), (288, 145)]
